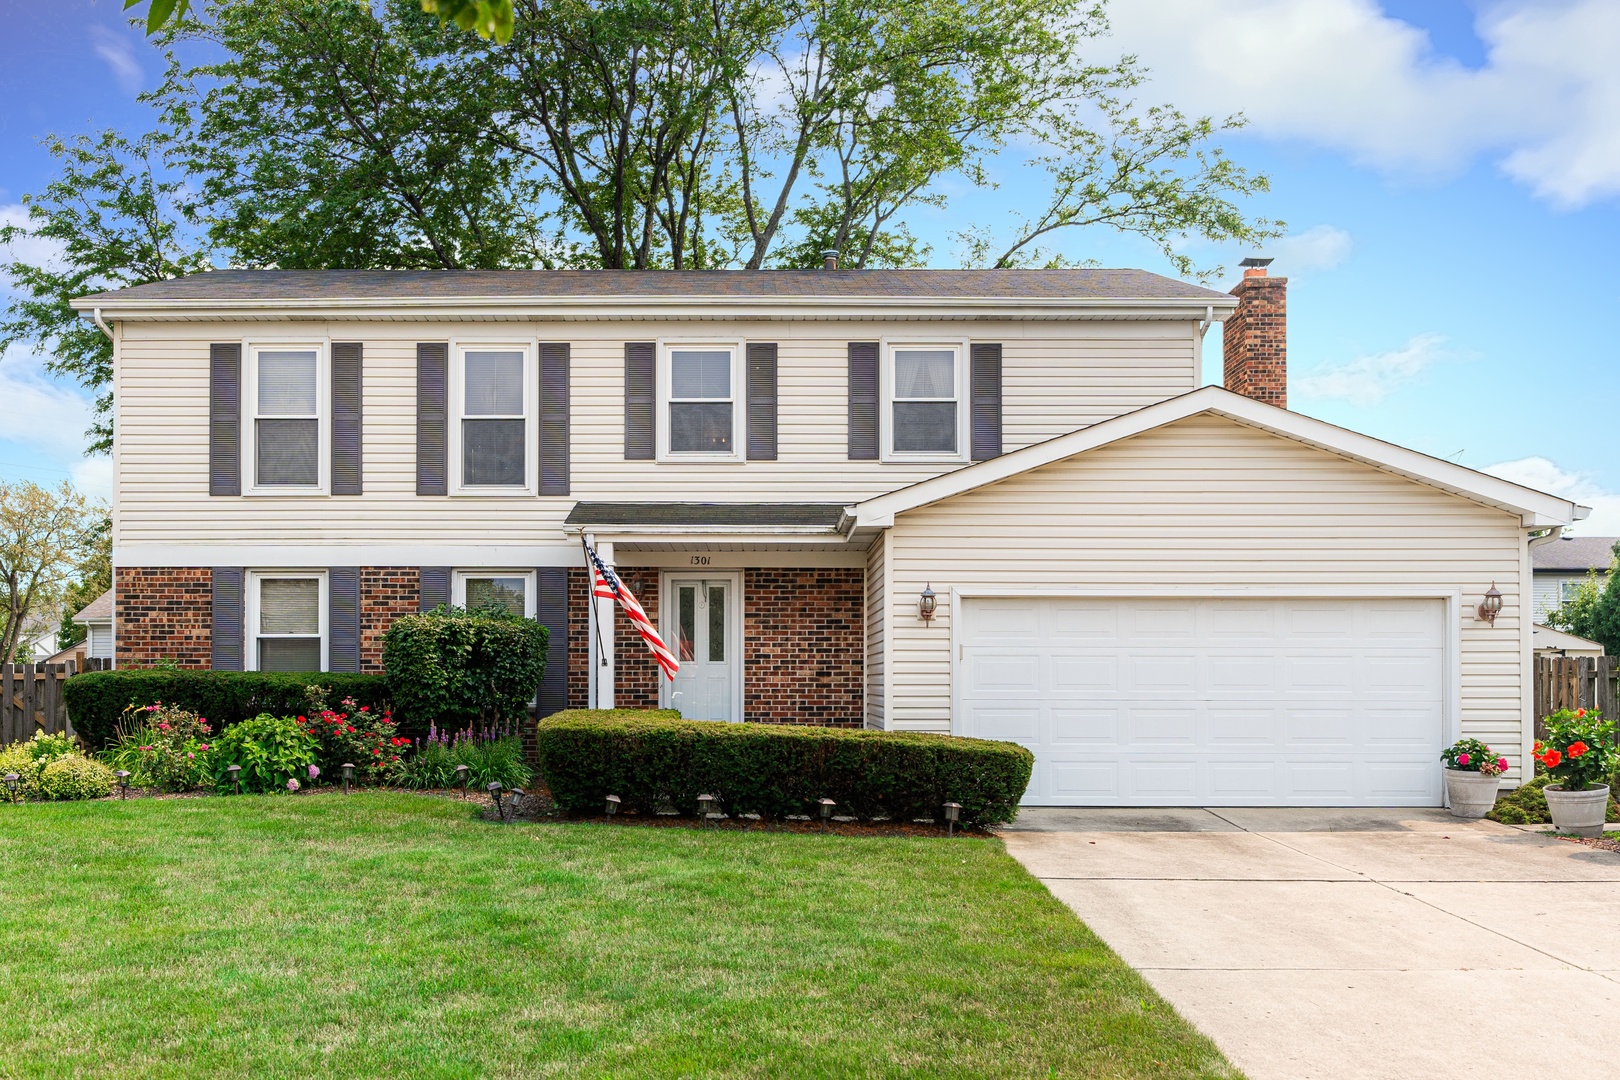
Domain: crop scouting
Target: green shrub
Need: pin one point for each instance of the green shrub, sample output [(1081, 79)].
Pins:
[(433, 765), (358, 736), (75, 777), (16, 759), (97, 700), (651, 759), (271, 751), (163, 747), (1527, 805), (452, 667)]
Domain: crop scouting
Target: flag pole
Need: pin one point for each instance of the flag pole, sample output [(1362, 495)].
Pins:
[(590, 593)]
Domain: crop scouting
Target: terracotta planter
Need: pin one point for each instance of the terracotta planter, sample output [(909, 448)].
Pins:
[(1578, 812), (1470, 793)]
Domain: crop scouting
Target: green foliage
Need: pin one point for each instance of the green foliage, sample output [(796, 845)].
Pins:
[(16, 759), (653, 758), (356, 736), (95, 578), (1594, 611), (270, 750), (1578, 750), (490, 18), (451, 667), (1471, 755), (75, 776), (163, 747), (97, 700), (1527, 805), (487, 760)]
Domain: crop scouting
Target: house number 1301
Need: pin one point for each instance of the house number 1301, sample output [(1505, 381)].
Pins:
[(700, 560)]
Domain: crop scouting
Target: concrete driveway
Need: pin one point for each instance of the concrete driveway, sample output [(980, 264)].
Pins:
[(1345, 944)]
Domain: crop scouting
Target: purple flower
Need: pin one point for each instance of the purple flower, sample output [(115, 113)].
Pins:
[(292, 784), (314, 772)]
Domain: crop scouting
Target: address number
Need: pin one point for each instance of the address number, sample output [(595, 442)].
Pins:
[(700, 560)]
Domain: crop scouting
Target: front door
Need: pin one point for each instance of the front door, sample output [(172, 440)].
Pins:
[(700, 624)]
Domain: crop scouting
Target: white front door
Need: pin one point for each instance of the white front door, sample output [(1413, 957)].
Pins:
[(700, 625)]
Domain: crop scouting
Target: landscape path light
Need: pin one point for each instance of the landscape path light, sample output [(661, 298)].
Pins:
[(705, 806), (236, 777), (461, 778), (123, 783), (12, 780), (348, 775), (953, 814), (612, 805), (518, 797), (494, 790), (826, 812)]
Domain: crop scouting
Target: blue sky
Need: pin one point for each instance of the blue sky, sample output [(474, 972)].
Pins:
[(1449, 172)]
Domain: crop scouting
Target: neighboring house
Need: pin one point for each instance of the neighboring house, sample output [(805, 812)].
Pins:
[(1562, 566), (37, 641), (1172, 594), (1549, 642), (97, 619)]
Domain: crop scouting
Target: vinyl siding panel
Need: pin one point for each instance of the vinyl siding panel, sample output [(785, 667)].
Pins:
[(1209, 504), (876, 620), (1549, 590), (1057, 376)]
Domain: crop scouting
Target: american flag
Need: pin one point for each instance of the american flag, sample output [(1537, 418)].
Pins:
[(608, 587)]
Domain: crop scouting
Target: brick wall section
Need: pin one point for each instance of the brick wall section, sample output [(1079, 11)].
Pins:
[(386, 593), (804, 646), (579, 639), (164, 613), (636, 674), (1255, 340)]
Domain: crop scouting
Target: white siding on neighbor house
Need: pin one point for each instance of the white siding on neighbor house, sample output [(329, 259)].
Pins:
[(1057, 376), (876, 620), (99, 640), (1207, 506), (1549, 590)]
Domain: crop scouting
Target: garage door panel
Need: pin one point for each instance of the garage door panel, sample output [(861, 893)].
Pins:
[(1213, 702)]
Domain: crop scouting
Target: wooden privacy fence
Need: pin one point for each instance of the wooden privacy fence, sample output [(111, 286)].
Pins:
[(1576, 682), (31, 698)]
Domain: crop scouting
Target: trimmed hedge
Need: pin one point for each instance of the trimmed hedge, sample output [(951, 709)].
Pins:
[(96, 700), (653, 759)]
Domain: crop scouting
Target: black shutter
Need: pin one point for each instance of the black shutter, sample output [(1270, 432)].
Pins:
[(225, 421), (432, 417), (434, 588), (343, 618), (227, 619), (863, 401), (345, 419), (554, 419), (640, 360), (762, 401), (986, 406), (551, 609)]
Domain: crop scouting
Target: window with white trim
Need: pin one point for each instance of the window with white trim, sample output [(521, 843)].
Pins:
[(287, 622), (698, 385), (1570, 588), (511, 589), (494, 407), (924, 415), (288, 411)]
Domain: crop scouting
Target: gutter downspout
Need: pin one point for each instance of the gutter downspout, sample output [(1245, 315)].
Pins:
[(1547, 537), (101, 324)]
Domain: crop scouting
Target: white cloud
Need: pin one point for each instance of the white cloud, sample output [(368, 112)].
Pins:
[(94, 477), (1343, 74), (1367, 380), (1324, 247), (34, 250), (116, 53), (46, 414), (1544, 475)]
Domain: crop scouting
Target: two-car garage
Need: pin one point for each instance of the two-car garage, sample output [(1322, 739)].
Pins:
[(1143, 701)]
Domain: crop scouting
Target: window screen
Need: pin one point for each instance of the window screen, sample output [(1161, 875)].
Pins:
[(494, 428), (506, 592), (287, 423), (700, 401), (924, 401), (289, 630)]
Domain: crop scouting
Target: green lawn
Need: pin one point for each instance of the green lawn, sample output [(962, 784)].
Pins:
[(389, 934)]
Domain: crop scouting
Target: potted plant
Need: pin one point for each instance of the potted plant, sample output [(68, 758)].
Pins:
[(1473, 771), (1578, 753)]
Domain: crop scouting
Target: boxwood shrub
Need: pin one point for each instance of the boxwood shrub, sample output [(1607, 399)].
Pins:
[(653, 759), (96, 700)]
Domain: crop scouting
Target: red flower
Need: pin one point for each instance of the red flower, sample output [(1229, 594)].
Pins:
[(1576, 749), (1580, 713), (1552, 758)]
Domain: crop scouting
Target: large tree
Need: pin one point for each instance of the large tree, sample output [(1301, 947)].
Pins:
[(46, 536)]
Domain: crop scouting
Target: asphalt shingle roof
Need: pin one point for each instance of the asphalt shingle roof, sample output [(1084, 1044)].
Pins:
[(1576, 554)]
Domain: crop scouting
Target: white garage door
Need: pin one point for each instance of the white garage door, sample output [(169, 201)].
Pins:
[(1151, 702)]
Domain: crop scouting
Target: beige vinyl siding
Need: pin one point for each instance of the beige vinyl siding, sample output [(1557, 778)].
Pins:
[(1057, 376), (876, 620), (1207, 504), (1549, 590)]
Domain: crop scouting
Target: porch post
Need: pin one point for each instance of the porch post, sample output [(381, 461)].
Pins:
[(601, 630)]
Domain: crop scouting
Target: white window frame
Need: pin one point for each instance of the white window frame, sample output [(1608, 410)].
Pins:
[(250, 644), (458, 587), (250, 416), (886, 399), (531, 418), (661, 421)]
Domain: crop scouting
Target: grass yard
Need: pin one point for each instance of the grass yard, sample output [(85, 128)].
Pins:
[(389, 934)]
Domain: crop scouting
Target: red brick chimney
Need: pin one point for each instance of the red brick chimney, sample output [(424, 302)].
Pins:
[(1255, 337)]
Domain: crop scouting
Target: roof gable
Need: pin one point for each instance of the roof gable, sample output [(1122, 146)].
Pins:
[(1535, 508)]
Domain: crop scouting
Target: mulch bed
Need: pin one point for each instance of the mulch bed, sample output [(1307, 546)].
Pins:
[(1607, 842)]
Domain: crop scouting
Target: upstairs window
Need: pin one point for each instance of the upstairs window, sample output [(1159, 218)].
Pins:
[(286, 617), (286, 408), (494, 406), (699, 385), (925, 414)]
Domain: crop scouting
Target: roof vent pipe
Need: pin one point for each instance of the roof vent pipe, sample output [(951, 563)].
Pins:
[(829, 259)]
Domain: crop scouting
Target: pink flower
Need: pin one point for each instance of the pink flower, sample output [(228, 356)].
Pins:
[(204, 746), (292, 784), (163, 727), (1463, 759), (313, 772), (190, 755)]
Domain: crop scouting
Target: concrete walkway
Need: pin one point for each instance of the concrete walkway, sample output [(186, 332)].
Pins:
[(1339, 944)]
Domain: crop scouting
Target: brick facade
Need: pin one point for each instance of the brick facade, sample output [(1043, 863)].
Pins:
[(636, 674), (804, 646), (386, 593), (164, 613), (1255, 339)]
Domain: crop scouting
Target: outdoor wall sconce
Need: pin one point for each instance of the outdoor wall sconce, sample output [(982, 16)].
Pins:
[(461, 778), (494, 790), (1491, 605), (123, 783), (826, 812), (12, 780), (927, 603), (612, 805), (953, 814), (235, 772), (348, 774)]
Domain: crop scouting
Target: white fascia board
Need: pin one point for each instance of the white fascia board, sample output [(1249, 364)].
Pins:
[(1535, 508), (709, 534), (686, 308)]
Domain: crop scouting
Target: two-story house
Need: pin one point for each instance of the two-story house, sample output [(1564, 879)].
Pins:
[(1562, 568), (1172, 594)]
